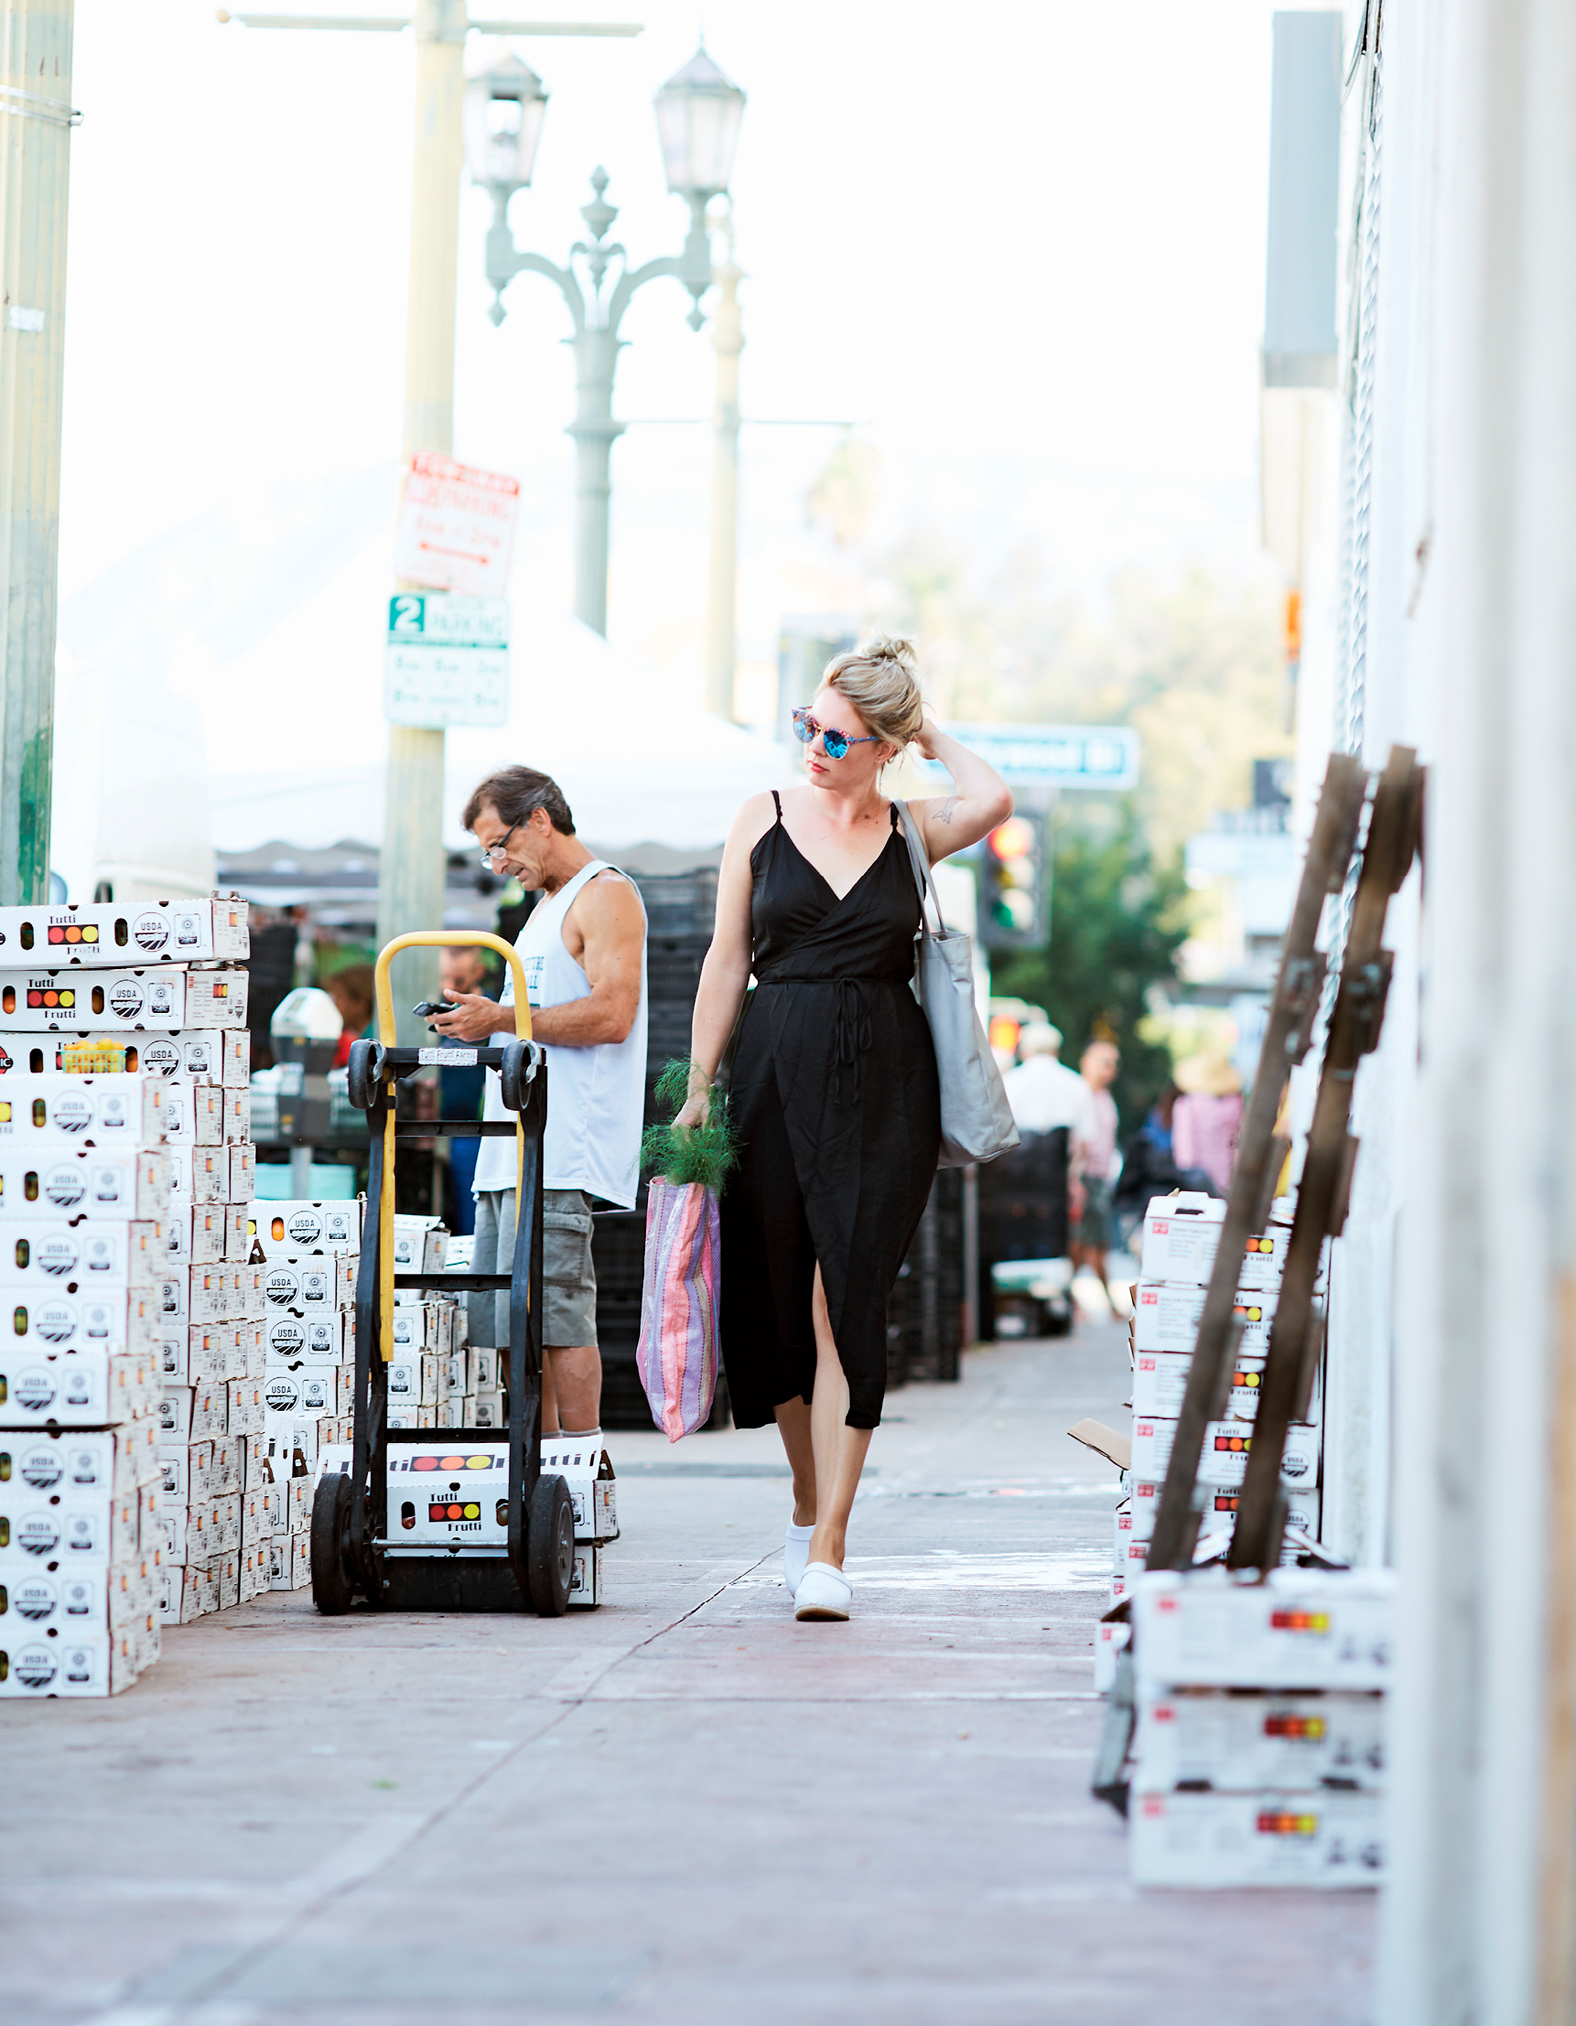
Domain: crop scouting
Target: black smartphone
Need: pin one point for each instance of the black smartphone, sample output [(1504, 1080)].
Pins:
[(430, 1006)]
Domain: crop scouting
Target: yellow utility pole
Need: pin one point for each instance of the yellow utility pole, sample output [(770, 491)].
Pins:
[(35, 155), (411, 864), (727, 335)]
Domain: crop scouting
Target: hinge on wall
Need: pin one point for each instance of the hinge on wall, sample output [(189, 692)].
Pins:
[(1367, 42)]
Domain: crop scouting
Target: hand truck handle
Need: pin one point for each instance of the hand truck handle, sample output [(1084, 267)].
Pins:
[(447, 939), (388, 1034)]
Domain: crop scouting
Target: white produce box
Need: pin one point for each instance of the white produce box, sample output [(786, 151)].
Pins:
[(194, 1055), (127, 1183), (1160, 1380), (1247, 1743), (585, 1466), (88, 933), (88, 1595), (81, 1258), (1224, 1459), (420, 1244), (88, 1663), (101, 1111), (310, 1282), (112, 1461), (1321, 1839), (1181, 1235), (297, 1340), (51, 1528), (290, 1229), (77, 1002), (1301, 1628), (88, 1386), (1166, 1318)]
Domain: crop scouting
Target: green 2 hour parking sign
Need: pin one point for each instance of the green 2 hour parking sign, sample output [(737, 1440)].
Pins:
[(447, 660)]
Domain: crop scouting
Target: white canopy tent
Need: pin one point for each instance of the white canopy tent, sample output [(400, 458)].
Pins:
[(221, 689), (635, 765)]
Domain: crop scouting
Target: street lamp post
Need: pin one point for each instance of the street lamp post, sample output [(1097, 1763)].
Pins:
[(727, 337), (698, 113)]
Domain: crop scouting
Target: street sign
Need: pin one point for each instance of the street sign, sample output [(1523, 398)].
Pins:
[(456, 526), (447, 661), (1052, 756)]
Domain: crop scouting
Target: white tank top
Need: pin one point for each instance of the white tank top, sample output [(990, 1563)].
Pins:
[(596, 1095)]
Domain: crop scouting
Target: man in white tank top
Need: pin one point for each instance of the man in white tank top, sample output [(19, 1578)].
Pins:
[(584, 953)]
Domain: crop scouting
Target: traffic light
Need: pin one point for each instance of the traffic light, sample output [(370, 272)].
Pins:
[(1014, 878)]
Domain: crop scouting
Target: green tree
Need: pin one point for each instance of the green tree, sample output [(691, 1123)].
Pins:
[(1118, 919)]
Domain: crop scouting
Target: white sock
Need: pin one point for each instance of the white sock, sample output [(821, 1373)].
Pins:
[(796, 1553)]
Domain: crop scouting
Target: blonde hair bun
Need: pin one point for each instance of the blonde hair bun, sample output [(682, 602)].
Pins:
[(881, 681)]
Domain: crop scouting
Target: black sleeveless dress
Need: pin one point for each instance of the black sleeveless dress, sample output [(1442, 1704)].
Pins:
[(834, 1094)]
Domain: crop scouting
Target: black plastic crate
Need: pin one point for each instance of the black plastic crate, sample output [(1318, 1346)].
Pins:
[(680, 903), (624, 1402), (932, 1324), (1023, 1201), (618, 1250)]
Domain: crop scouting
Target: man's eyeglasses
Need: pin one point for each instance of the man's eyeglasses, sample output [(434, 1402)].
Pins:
[(492, 851), (835, 742)]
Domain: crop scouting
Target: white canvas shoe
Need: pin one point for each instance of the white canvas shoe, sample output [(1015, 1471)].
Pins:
[(796, 1555), (824, 1592)]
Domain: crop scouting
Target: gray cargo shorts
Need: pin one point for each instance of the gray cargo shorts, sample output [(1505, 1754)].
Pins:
[(568, 1277)]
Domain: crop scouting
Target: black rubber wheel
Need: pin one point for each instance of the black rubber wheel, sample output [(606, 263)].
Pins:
[(513, 1077), (362, 1087), (332, 1590), (550, 1547)]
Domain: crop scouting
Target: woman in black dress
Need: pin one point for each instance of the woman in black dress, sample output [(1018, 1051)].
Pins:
[(833, 1085)]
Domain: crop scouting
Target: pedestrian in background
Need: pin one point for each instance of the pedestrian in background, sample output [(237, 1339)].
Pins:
[(461, 1091), (833, 1086), (1098, 1066), (1207, 1118), (1045, 1094), (351, 991)]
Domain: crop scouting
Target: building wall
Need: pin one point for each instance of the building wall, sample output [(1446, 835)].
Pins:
[(1461, 1243)]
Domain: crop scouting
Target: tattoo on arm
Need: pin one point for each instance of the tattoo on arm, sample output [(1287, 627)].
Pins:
[(945, 810)]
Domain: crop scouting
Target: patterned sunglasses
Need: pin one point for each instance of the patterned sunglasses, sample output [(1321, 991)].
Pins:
[(837, 743)]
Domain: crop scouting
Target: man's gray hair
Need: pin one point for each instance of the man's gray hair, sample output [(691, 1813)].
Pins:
[(517, 793)]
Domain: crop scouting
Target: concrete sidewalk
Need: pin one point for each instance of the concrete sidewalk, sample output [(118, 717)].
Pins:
[(682, 1808)]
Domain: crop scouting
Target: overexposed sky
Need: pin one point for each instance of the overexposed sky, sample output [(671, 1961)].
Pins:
[(1023, 242)]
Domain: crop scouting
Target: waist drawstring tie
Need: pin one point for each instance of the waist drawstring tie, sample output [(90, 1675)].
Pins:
[(852, 1036)]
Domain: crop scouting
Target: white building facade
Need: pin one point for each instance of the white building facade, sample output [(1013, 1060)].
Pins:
[(1441, 613)]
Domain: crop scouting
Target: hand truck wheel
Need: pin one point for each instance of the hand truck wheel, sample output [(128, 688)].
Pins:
[(550, 1547), (332, 1586), (361, 1076), (514, 1077)]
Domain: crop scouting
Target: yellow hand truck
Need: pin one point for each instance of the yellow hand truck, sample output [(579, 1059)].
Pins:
[(455, 1519)]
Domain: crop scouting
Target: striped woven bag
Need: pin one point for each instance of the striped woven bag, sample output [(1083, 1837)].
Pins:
[(677, 1354)]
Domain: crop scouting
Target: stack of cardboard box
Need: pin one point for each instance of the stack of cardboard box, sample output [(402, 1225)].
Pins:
[(1180, 1235), (1259, 1747), (437, 1378), (311, 1255), (212, 1450), (84, 1185)]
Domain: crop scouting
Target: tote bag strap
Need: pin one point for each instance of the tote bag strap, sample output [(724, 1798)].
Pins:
[(921, 864)]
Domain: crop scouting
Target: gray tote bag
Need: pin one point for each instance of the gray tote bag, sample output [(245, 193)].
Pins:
[(976, 1120)]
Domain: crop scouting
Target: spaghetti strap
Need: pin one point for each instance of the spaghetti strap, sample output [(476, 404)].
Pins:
[(779, 802), (891, 805)]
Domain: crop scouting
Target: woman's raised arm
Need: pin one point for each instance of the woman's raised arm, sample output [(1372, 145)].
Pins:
[(980, 798)]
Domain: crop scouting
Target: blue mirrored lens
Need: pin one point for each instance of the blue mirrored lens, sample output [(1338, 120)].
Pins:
[(836, 746), (803, 729)]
